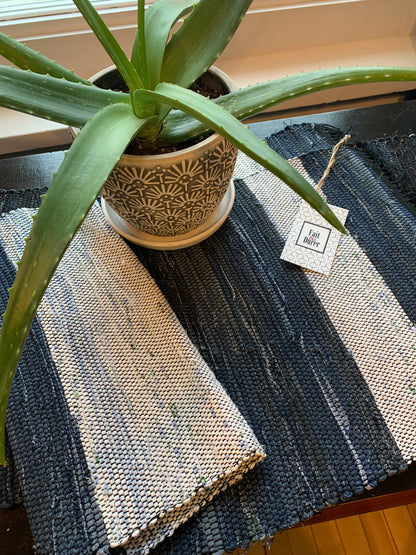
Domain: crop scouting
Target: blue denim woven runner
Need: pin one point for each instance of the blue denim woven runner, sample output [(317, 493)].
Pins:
[(267, 330)]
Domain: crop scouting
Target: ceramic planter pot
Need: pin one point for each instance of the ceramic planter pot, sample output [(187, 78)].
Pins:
[(175, 199)]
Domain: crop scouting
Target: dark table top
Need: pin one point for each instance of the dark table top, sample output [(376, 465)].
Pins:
[(367, 123)]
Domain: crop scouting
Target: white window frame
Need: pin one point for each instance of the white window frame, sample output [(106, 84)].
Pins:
[(22, 9), (276, 38)]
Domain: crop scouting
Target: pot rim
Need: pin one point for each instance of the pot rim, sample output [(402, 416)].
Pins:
[(129, 159)]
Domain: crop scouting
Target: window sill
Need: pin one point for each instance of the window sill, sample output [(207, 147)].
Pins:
[(20, 132)]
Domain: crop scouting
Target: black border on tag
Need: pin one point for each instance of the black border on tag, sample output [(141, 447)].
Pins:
[(316, 225)]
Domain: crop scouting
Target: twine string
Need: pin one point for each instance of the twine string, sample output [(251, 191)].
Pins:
[(331, 162)]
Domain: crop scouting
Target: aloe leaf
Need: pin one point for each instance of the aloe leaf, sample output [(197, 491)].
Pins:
[(138, 57), (228, 126), (187, 56), (26, 58), (55, 99), (113, 49), (74, 188), (159, 20), (246, 102)]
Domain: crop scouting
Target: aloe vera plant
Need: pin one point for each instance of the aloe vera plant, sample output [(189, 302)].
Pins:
[(159, 107)]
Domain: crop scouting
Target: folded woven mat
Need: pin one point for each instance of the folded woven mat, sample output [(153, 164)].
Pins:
[(118, 428)]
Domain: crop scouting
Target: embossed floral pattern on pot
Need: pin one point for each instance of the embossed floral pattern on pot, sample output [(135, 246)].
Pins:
[(171, 194)]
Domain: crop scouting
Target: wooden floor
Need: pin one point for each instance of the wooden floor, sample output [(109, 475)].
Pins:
[(387, 532)]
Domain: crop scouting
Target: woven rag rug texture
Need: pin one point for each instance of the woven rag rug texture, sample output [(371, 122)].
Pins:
[(323, 369), (118, 428)]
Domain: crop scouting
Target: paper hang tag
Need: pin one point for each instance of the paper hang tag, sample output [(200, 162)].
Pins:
[(312, 242)]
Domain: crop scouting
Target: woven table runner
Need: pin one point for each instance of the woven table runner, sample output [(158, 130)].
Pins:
[(118, 429), (323, 369)]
